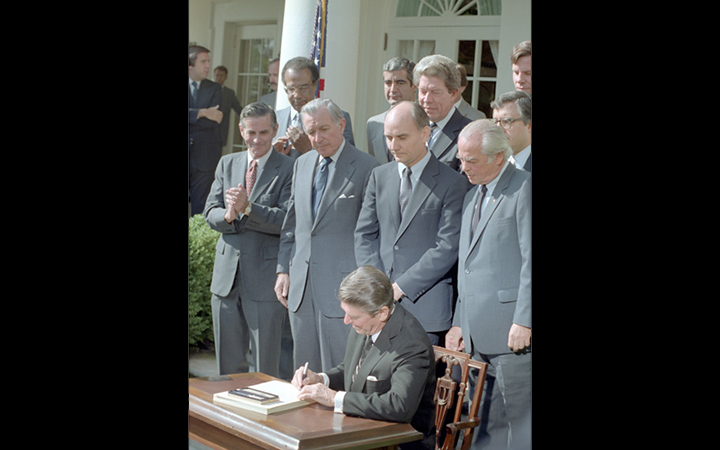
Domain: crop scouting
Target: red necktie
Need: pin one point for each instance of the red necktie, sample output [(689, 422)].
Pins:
[(251, 177)]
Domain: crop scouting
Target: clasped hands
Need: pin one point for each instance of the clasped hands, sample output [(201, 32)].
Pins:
[(313, 388), (237, 201)]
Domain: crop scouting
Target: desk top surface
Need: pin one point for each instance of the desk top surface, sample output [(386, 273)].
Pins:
[(309, 427)]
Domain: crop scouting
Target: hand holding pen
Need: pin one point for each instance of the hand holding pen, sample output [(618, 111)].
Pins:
[(304, 376)]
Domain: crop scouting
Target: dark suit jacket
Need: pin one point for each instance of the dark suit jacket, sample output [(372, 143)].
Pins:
[(319, 253), (250, 244), (204, 133), (403, 362), (445, 146), (419, 252)]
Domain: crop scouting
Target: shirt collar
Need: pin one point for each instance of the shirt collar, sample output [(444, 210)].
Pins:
[(491, 185), (522, 156), (417, 169), (441, 123), (375, 336), (336, 155), (261, 161)]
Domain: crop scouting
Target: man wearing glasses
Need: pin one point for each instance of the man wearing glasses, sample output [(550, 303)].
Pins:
[(300, 76), (512, 111)]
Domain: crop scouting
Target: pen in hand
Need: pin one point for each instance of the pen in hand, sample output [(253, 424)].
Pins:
[(304, 374)]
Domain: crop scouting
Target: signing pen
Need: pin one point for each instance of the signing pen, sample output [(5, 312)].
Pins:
[(304, 372)]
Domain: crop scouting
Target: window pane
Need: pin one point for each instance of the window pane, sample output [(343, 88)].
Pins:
[(488, 68), (466, 56), (486, 96), (467, 93), (407, 47), (431, 8), (426, 48)]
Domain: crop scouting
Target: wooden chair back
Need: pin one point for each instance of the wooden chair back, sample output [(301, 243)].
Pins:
[(449, 393)]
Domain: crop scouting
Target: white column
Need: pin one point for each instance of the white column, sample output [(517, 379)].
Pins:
[(341, 65), (342, 43), (298, 21)]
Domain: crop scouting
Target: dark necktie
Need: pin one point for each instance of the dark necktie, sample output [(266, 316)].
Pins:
[(405, 190), (251, 177), (366, 348), (319, 186), (478, 207), (433, 134), (194, 92)]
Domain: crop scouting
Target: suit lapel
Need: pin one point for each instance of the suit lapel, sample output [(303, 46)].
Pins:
[(378, 351), (448, 134), (391, 185), (268, 174), (420, 192), (241, 168), (441, 144), (495, 198), (343, 171)]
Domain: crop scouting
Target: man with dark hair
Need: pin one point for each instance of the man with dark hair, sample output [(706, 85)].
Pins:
[(398, 81), (229, 101), (389, 368), (300, 76), (204, 118), (247, 205)]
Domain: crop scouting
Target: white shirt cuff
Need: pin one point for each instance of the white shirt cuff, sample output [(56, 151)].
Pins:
[(339, 396)]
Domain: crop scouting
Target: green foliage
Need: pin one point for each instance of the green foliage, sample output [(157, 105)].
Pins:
[(201, 258)]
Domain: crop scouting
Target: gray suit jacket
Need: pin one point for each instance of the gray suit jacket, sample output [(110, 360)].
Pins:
[(284, 120), (252, 242), (419, 251), (403, 363), (494, 269), (445, 146), (375, 129), (319, 254)]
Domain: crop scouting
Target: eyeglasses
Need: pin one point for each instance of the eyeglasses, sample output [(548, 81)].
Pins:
[(304, 89), (505, 122)]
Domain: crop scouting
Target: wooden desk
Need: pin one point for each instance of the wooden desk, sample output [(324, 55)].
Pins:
[(309, 427)]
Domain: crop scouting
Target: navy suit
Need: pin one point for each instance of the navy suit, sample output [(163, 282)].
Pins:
[(419, 251), (204, 144), (445, 147)]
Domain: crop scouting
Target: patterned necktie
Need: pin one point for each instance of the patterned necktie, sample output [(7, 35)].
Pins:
[(366, 348), (405, 190), (319, 185), (251, 177), (478, 207)]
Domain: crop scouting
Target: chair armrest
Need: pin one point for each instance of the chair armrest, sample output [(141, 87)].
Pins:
[(454, 427)]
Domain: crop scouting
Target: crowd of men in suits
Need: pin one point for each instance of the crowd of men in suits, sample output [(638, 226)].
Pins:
[(440, 205)]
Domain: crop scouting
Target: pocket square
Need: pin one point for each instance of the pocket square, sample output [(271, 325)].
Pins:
[(345, 196), (371, 378)]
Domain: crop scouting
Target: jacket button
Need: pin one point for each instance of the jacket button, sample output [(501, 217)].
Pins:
[(397, 248), (467, 271)]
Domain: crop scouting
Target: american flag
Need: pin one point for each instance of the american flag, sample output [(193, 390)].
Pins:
[(317, 52)]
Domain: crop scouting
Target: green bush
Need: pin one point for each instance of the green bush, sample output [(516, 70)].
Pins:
[(201, 258)]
